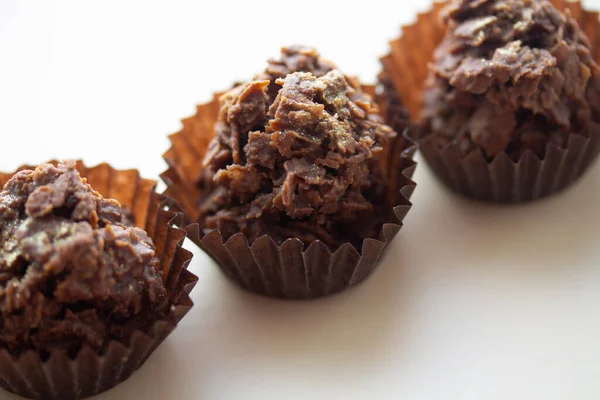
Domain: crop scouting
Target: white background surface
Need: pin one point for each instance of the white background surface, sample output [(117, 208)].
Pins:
[(471, 302)]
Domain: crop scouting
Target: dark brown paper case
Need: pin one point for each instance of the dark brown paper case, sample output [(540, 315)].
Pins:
[(290, 270), (58, 376), (501, 179)]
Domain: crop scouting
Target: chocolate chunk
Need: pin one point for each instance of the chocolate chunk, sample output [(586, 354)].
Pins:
[(511, 75), (298, 152), (71, 273), (293, 59)]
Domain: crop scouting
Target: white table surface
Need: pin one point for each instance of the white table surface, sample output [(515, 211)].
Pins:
[(471, 302)]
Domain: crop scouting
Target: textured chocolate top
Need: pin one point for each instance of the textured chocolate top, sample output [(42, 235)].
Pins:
[(70, 272), (293, 59), (511, 75), (306, 163)]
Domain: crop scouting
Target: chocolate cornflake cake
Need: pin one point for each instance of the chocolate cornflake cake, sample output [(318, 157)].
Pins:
[(297, 154), (71, 273), (511, 75)]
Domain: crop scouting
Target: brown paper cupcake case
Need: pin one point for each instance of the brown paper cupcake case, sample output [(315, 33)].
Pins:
[(288, 270), (56, 375), (501, 179)]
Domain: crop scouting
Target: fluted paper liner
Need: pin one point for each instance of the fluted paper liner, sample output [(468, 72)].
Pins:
[(57, 376), (500, 179), (288, 270)]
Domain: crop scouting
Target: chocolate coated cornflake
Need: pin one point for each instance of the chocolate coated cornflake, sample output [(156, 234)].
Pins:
[(70, 272), (511, 75), (297, 154)]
